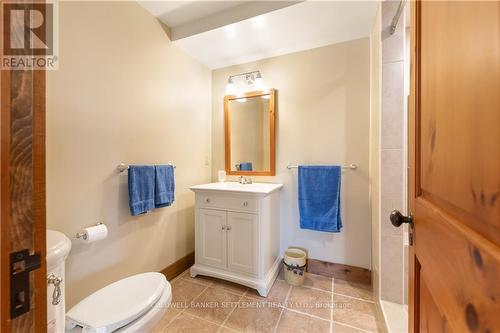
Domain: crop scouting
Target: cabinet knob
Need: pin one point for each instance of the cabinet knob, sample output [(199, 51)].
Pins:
[(228, 227), (245, 203), (223, 227), (207, 200)]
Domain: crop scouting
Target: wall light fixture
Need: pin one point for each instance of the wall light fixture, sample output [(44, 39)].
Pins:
[(252, 79)]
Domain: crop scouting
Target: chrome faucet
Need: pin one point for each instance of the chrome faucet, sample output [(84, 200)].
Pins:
[(245, 180)]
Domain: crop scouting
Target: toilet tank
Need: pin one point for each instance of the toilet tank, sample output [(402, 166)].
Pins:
[(58, 247)]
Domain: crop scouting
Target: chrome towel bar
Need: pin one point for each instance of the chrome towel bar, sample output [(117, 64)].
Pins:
[(351, 166), (122, 167)]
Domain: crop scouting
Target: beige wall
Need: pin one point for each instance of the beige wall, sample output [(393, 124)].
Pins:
[(323, 118), (375, 66), (392, 156), (123, 93)]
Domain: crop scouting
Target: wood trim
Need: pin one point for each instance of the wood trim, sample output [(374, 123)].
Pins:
[(272, 128), (314, 266), (5, 201), (227, 135), (250, 94), (413, 163), (39, 198), (339, 271), (272, 133), (178, 267)]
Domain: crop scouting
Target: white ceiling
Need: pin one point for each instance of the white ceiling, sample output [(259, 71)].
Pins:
[(296, 27), (187, 18), (176, 13)]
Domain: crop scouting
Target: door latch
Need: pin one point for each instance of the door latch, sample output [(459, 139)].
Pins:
[(21, 264)]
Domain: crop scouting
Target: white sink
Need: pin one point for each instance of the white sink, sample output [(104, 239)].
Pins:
[(257, 188)]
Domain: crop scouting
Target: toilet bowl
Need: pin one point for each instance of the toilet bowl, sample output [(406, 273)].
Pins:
[(134, 304)]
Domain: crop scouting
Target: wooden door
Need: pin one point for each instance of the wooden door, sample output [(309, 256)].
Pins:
[(455, 166), (22, 193), (242, 242), (211, 247)]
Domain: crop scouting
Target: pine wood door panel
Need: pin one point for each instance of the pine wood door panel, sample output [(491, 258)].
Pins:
[(431, 319), (460, 103), (455, 166), (460, 269)]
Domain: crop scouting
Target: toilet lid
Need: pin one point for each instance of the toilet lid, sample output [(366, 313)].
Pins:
[(118, 304)]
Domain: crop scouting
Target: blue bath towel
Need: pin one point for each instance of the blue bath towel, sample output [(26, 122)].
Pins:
[(246, 166), (319, 198), (164, 186), (141, 189)]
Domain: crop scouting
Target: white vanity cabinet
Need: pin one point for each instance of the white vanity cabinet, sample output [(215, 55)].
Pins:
[(237, 233)]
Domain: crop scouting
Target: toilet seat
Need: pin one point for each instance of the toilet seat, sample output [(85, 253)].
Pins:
[(134, 301)]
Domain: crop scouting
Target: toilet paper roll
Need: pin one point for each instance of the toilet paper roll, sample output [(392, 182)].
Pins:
[(95, 233)]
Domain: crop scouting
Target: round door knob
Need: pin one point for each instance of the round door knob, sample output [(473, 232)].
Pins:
[(207, 200), (397, 218)]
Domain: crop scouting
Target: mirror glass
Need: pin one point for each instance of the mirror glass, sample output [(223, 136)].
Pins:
[(250, 134)]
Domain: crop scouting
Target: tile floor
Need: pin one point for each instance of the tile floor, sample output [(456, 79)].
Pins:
[(322, 304)]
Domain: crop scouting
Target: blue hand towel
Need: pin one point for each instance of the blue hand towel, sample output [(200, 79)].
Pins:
[(246, 166), (164, 186), (141, 189), (319, 198)]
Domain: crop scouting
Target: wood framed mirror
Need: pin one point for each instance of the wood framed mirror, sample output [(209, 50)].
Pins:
[(250, 133)]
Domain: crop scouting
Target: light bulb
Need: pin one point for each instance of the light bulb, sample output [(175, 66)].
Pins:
[(241, 98), (230, 88), (259, 82)]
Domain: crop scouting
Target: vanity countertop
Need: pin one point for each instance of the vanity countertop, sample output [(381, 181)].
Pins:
[(257, 188)]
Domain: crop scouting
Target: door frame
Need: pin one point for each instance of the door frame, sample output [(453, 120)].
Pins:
[(412, 156), (22, 207)]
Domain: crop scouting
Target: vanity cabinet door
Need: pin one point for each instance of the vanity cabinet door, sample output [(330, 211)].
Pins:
[(242, 242), (211, 247)]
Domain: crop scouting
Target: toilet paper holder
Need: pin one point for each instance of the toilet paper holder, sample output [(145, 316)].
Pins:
[(83, 235)]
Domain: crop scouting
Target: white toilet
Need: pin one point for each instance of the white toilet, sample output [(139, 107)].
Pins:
[(134, 304), (58, 247)]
